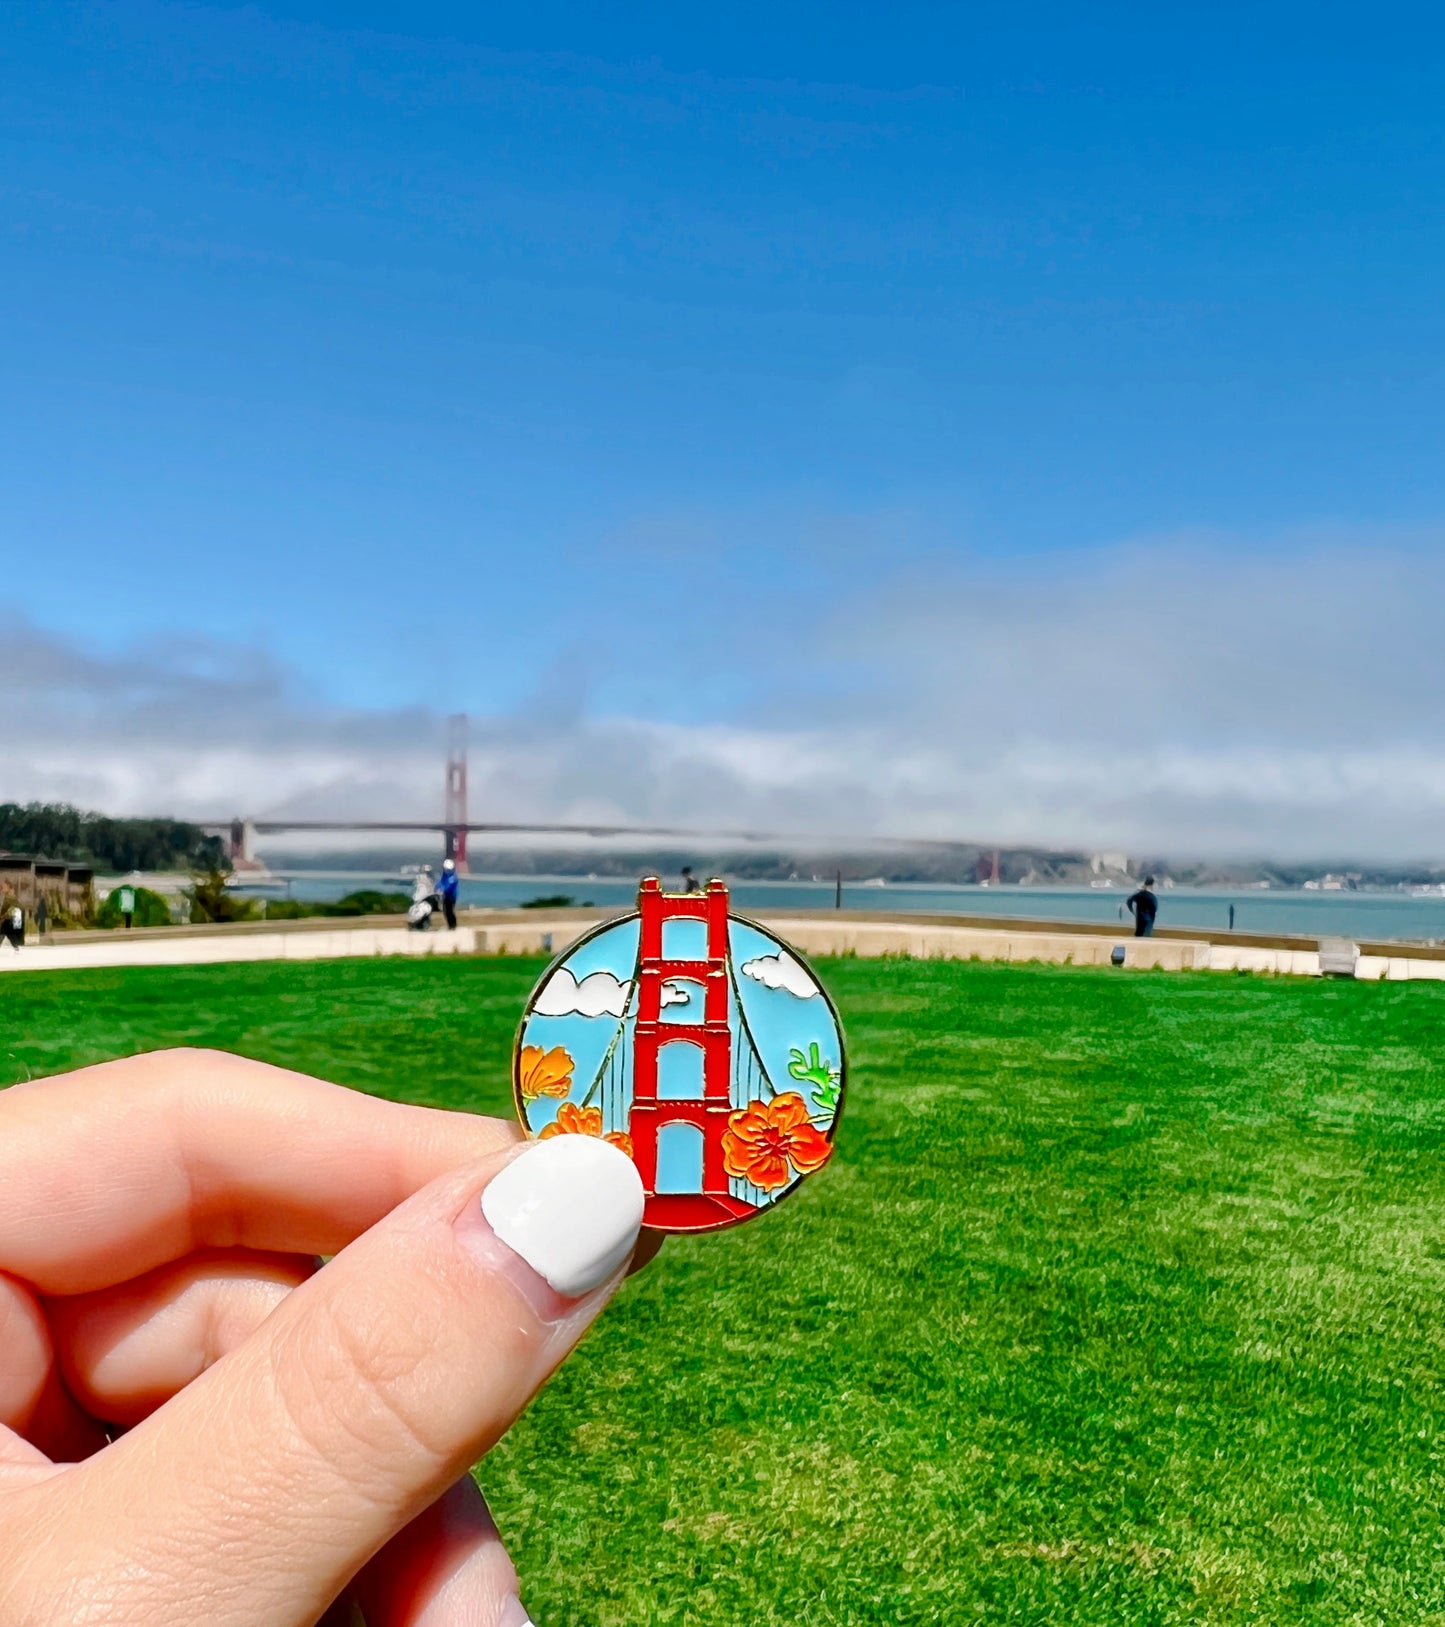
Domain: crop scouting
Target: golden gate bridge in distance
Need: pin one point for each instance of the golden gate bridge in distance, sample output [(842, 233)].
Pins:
[(456, 825)]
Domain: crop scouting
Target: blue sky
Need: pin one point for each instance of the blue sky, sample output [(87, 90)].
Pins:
[(638, 368)]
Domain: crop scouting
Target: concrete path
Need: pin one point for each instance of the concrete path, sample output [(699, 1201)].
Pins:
[(898, 937), (141, 949), (549, 933)]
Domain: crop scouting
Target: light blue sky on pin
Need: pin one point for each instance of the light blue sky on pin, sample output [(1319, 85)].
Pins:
[(691, 1008), (684, 940), (680, 1072), (679, 1158), (586, 1040), (612, 951), (780, 1021)]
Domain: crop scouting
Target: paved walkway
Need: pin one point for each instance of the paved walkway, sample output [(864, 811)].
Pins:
[(814, 935), (899, 937), (143, 949)]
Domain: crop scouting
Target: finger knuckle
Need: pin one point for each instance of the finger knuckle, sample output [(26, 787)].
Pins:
[(353, 1380)]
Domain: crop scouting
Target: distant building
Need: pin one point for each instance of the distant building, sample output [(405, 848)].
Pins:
[(1110, 863)]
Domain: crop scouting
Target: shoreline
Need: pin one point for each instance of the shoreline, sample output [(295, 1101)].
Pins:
[(816, 933), (1259, 914)]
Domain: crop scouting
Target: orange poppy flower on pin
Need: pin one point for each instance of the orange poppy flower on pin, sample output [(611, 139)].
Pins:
[(572, 1120), (767, 1143), (545, 1073)]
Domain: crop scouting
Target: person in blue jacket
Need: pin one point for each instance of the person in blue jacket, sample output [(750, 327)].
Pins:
[(447, 887)]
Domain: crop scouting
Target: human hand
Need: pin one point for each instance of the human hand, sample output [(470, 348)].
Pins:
[(294, 1435)]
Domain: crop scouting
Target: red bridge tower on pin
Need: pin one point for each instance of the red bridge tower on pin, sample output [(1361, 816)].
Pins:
[(683, 1211)]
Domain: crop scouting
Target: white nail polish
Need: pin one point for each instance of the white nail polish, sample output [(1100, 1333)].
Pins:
[(571, 1207)]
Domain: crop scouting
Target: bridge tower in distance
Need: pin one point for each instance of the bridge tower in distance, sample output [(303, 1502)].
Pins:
[(683, 1211), (455, 817), (242, 846)]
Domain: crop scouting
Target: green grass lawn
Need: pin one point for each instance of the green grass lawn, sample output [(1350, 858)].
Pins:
[(1121, 1303)]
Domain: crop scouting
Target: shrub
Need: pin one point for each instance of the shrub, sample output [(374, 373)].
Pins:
[(150, 909), (365, 902), (211, 902), (368, 902)]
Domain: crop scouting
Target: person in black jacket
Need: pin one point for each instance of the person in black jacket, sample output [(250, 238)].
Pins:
[(1143, 906)]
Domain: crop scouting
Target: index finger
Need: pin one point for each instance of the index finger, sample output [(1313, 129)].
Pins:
[(110, 1171)]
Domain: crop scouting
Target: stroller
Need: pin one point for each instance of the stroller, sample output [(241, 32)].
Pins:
[(425, 902), (419, 914)]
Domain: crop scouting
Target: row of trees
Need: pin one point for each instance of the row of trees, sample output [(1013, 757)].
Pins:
[(55, 830), (207, 899)]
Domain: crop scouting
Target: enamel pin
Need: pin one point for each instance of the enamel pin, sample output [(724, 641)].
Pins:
[(698, 1043)]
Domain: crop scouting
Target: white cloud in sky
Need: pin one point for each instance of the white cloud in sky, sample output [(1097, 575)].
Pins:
[(781, 971), (675, 994), (599, 994), (1195, 696)]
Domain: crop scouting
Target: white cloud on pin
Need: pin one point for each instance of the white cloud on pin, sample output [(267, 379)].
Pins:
[(781, 971), (675, 994), (599, 994)]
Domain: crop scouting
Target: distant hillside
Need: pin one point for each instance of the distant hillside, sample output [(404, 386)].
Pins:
[(58, 831), (934, 863), (937, 862)]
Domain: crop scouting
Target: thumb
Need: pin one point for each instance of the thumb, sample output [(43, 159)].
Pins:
[(270, 1480)]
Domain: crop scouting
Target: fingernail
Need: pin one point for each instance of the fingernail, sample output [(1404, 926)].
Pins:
[(513, 1615), (571, 1207)]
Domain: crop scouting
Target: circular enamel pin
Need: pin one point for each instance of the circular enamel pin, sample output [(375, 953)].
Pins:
[(697, 1042)]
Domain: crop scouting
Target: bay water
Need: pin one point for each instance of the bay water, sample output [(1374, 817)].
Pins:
[(1371, 915)]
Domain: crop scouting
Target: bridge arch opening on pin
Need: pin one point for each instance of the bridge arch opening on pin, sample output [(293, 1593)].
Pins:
[(684, 940), (680, 1071), (684, 1000), (679, 1157)]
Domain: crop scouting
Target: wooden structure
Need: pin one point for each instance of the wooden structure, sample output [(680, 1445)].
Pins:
[(68, 889)]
